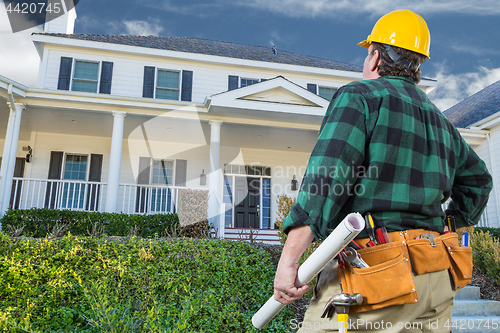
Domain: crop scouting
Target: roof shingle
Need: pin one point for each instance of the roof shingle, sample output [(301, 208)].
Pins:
[(476, 107), (216, 48)]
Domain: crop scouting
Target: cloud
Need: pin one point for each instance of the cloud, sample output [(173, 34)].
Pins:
[(474, 50), (19, 60), (340, 8), (151, 27), (143, 28), (453, 88)]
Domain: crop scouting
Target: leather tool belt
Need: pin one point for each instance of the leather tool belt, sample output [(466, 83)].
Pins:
[(389, 279)]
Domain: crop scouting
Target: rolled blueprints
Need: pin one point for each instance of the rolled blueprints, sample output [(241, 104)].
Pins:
[(339, 238)]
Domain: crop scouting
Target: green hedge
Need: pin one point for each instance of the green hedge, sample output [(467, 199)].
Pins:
[(40, 222), (133, 285)]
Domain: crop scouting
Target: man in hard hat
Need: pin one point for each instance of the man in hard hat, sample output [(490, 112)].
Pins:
[(396, 156)]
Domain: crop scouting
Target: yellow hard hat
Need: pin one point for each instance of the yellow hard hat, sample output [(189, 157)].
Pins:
[(402, 28)]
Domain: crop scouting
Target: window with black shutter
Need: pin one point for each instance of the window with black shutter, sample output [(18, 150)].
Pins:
[(168, 84), (83, 75)]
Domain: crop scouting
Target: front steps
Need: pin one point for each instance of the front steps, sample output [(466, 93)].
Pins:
[(474, 315)]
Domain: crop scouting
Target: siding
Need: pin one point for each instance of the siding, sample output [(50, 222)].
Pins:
[(208, 79), (484, 152), (73, 144)]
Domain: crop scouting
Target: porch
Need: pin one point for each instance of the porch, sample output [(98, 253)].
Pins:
[(90, 196)]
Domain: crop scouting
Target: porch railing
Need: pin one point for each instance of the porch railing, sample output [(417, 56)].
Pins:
[(91, 196), (149, 199), (57, 194)]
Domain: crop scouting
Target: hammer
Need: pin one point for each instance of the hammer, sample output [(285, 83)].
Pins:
[(341, 303)]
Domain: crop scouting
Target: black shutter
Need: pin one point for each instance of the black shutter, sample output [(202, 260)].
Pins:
[(232, 82), (312, 88), (55, 168), (141, 201), (187, 86), (106, 76), (180, 172), (94, 176), (64, 73), (149, 82), (262, 80)]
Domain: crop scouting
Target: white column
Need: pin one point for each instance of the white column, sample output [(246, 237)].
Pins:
[(214, 179), (9, 156), (115, 162)]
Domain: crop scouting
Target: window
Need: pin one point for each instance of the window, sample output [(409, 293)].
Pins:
[(228, 201), (266, 203), (82, 75), (86, 76), (327, 92), (75, 168), (155, 180), (162, 174), (246, 82), (167, 84)]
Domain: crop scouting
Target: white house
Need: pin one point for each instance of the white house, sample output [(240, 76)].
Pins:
[(121, 123), (478, 118)]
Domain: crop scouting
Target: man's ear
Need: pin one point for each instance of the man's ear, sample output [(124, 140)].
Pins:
[(374, 60)]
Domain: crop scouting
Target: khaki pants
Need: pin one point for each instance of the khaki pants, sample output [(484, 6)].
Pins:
[(431, 314)]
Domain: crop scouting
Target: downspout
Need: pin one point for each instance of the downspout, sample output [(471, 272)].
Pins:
[(492, 164), (11, 97)]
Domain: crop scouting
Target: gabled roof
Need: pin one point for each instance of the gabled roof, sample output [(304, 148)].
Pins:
[(475, 108), (216, 48), (270, 100)]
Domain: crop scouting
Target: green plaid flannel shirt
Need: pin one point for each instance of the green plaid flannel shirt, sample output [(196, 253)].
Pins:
[(384, 148)]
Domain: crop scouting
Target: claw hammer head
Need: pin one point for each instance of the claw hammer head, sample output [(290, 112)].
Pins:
[(343, 301)]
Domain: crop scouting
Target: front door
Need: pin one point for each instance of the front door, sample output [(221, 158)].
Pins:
[(246, 212)]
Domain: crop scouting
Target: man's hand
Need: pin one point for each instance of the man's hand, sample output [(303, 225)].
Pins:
[(284, 284), (297, 242)]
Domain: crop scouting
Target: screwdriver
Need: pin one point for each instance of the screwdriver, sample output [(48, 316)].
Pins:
[(370, 227)]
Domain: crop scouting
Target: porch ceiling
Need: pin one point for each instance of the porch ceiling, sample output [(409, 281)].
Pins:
[(194, 130)]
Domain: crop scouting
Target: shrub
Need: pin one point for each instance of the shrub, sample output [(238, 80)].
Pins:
[(494, 232), (486, 254), (41, 222), (133, 285)]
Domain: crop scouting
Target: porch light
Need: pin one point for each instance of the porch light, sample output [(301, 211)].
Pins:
[(29, 155), (295, 184), (203, 178)]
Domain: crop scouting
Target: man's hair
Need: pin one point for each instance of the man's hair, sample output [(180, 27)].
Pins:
[(387, 67)]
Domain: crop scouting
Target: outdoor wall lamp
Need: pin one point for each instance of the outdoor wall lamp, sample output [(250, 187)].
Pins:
[(295, 184), (29, 155), (203, 178)]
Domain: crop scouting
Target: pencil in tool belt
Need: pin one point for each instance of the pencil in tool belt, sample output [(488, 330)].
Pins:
[(370, 227)]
